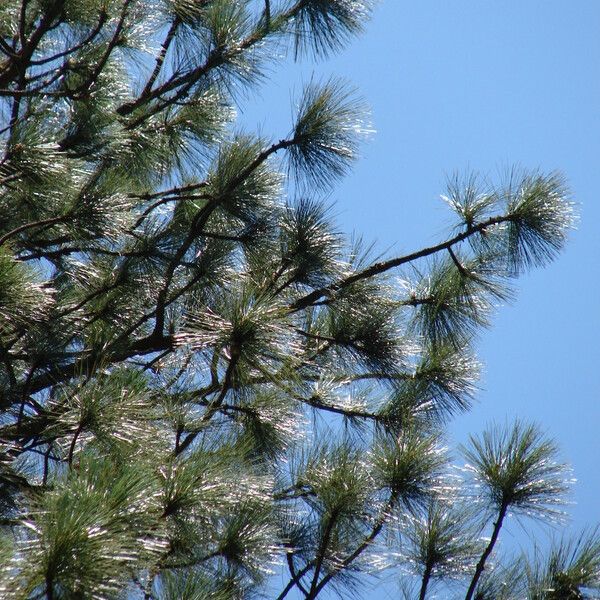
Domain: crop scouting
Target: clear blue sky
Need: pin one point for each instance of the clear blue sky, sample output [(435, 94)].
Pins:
[(473, 84)]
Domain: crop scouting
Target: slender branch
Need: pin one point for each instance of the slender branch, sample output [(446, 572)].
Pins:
[(367, 542), (160, 59), (213, 407), (6, 49), (292, 569), (46, 464), (18, 65), (321, 554), (74, 442), (23, 22), (162, 202), (83, 44), (16, 105), (192, 187), (187, 564), (215, 59), (114, 41), (340, 410), (384, 266), (198, 223), (26, 226), (36, 91), (488, 550), (49, 585), (294, 581), (457, 262)]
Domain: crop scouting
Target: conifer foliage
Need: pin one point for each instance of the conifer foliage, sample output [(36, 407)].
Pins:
[(203, 382)]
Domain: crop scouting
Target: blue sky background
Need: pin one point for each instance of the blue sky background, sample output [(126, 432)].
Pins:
[(482, 85)]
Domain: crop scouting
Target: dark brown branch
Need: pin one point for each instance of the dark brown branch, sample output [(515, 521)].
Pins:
[(292, 569), (83, 44), (46, 464), (488, 550), (160, 59), (19, 64), (171, 191), (6, 49), (322, 551), (36, 91), (73, 443), (456, 261), (340, 410), (368, 541), (215, 59), (112, 44), (294, 581), (425, 580), (214, 406), (23, 22), (26, 226), (384, 266), (267, 15), (162, 202)]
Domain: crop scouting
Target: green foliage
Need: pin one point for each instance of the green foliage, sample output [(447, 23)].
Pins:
[(411, 467), (570, 570), (536, 231), (325, 25), (517, 467), (443, 542), (202, 381), (310, 247), (22, 298), (325, 133), (85, 532)]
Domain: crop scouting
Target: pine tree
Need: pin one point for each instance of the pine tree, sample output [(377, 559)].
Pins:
[(203, 381)]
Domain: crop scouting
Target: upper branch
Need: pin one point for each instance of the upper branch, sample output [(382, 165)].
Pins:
[(384, 266)]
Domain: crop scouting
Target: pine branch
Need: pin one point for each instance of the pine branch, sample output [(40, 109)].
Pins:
[(83, 44), (425, 581), (367, 543), (384, 266), (185, 82), (350, 413), (294, 581), (213, 407), (33, 224), (290, 561), (488, 550), (112, 44), (167, 335), (196, 228), (6, 49), (160, 59), (19, 63), (320, 557)]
